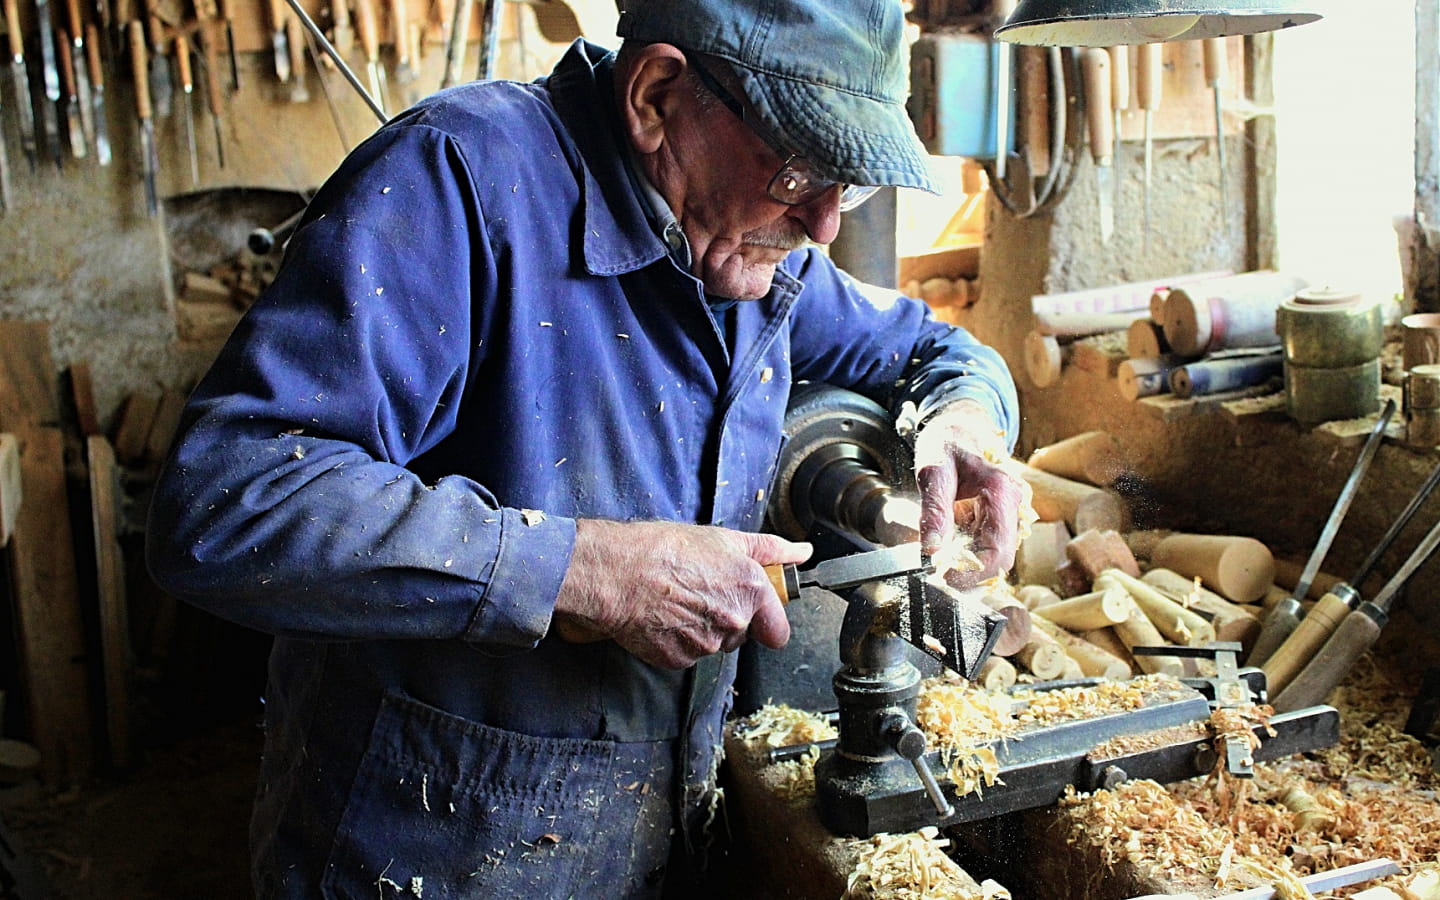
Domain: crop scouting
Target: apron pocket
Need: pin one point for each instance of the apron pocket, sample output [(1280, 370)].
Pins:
[(444, 807)]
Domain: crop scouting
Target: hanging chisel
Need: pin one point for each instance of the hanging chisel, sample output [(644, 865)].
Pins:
[(1119, 102), (459, 37), (76, 131), (1214, 55), (295, 39), (1284, 617), (340, 29), (228, 15), (5, 194), (1095, 73), (1330, 610), (162, 85), (20, 80), (49, 110), (181, 48), (1148, 91), (400, 28), (139, 68), (97, 94), (82, 76), (210, 48), (368, 30), (279, 42)]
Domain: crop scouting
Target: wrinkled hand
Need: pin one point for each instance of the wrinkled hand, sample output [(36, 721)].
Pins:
[(671, 593), (963, 486)]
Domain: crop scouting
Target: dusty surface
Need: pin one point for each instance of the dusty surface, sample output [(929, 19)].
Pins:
[(174, 828)]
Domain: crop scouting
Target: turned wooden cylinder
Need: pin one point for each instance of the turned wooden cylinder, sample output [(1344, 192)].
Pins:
[(1231, 621), (1080, 506), (1094, 661), (1240, 568), (1093, 457), (1097, 609), (1178, 624)]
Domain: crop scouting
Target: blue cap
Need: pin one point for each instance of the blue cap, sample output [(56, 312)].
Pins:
[(827, 77)]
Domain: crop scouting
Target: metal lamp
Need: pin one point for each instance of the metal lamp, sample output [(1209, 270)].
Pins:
[(1106, 23)]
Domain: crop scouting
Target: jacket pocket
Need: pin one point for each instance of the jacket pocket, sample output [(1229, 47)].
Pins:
[(444, 807)]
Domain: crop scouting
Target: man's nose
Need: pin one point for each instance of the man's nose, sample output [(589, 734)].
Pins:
[(821, 216)]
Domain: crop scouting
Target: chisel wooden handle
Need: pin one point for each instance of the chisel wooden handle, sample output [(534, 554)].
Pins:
[(92, 57), (1095, 73), (210, 51), (1305, 641), (1119, 78), (67, 63), (182, 62), (1213, 53), (367, 29), (139, 67), (1355, 634), (1148, 90), (77, 24), (12, 29), (785, 580)]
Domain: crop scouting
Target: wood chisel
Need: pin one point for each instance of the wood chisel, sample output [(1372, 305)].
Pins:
[(1330, 610), (1095, 73), (181, 48), (75, 131), (214, 101), (455, 47), (849, 571), (340, 28), (1148, 92), (162, 85), (5, 195), (139, 69), (227, 13), (1119, 102), (1214, 56), (50, 71), (82, 75), (20, 81), (1284, 617), (1003, 9), (279, 41), (295, 42), (367, 29), (97, 94), (404, 53)]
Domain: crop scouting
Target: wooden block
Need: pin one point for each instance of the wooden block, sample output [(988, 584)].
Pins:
[(82, 395), (115, 651), (1093, 660), (1073, 580), (1041, 552), (996, 674), (49, 621), (29, 388), (132, 434), (1095, 550), (1092, 457), (162, 428), (11, 486), (205, 322), (1239, 568), (1080, 506), (1042, 656), (1017, 620), (198, 288), (1101, 355)]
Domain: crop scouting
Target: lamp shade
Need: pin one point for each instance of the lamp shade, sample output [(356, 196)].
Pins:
[(1106, 23)]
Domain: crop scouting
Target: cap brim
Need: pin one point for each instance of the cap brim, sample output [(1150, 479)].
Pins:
[(848, 137)]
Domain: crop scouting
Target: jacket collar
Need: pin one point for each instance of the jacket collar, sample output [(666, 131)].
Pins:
[(618, 235)]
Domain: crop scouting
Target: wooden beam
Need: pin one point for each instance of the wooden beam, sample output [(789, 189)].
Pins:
[(105, 518)]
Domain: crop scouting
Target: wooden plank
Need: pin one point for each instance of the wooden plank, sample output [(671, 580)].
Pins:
[(950, 262), (162, 428), (132, 434), (11, 489), (48, 618), (82, 395), (115, 651), (29, 393)]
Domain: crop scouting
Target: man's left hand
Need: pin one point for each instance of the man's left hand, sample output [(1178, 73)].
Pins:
[(964, 491)]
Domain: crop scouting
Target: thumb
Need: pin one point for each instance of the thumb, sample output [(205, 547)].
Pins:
[(770, 549)]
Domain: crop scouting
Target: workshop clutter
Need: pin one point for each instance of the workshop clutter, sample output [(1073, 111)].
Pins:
[(1216, 337)]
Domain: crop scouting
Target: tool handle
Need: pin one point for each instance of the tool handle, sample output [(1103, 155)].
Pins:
[(67, 63), (1280, 622), (1355, 634), (182, 62), (139, 67), (77, 24), (1213, 52), (340, 13), (399, 16), (1095, 72), (1148, 71), (92, 57), (295, 43), (785, 579), (1307, 638), (12, 29), (367, 29), (1120, 77), (277, 15), (210, 50)]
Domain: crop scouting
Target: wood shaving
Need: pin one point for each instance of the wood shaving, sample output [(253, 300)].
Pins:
[(910, 866), (778, 725)]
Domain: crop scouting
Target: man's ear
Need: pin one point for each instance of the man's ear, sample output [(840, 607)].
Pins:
[(648, 92)]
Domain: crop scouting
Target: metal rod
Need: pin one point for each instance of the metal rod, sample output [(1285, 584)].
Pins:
[(1395, 528), (339, 61)]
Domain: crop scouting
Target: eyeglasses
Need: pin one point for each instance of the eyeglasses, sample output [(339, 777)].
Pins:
[(795, 184)]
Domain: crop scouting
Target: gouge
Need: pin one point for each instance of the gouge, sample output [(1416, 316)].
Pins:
[(1147, 83), (849, 571), (1214, 58)]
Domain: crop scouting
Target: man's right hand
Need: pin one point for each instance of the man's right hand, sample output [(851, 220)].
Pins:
[(671, 593)]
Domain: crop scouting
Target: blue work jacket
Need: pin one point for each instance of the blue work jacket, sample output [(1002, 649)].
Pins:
[(477, 337)]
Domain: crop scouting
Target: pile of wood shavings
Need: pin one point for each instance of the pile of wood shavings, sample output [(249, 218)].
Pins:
[(913, 866), (960, 720), (1051, 707), (1370, 796), (779, 725)]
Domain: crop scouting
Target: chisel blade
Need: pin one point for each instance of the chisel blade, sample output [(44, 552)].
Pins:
[(20, 82), (859, 568)]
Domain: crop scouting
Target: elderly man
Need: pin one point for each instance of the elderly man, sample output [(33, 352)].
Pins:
[(490, 457)]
